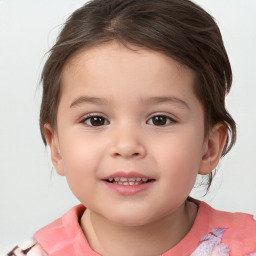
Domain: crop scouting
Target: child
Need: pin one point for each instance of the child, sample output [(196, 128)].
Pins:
[(133, 109)]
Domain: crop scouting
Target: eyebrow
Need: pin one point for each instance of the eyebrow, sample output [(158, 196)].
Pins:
[(151, 100), (86, 99), (167, 99)]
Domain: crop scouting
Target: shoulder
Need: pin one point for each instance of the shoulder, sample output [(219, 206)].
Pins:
[(64, 227), (29, 248), (64, 236), (236, 221), (57, 234), (235, 231)]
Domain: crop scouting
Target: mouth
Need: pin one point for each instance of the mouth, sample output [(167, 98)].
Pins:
[(128, 181)]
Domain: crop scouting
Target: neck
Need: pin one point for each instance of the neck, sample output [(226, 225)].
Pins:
[(108, 238)]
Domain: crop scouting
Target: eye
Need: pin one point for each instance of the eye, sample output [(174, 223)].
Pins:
[(95, 121), (160, 120)]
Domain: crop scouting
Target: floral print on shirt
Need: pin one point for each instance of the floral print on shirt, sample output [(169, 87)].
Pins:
[(29, 248), (251, 254), (211, 245)]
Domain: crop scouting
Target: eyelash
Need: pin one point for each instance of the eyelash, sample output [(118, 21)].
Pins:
[(89, 117), (167, 118), (163, 118)]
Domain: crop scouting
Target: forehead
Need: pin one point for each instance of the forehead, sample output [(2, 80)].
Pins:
[(97, 59), (112, 67)]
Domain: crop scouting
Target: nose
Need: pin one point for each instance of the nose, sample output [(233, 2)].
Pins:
[(128, 144)]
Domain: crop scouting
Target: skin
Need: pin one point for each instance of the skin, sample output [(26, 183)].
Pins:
[(126, 84)]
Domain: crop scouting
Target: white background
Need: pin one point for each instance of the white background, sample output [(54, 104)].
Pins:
[(31, 194)]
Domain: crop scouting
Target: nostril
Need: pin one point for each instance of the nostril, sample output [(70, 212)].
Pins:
[(127, 154), (127, 151)]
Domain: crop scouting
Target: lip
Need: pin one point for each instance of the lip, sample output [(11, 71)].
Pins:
[(128, 190), (124, 174)]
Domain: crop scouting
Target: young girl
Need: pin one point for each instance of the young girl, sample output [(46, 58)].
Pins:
[(133, 109)]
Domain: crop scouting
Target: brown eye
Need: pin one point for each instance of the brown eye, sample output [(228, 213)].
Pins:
[(160, 120), (95, 121)]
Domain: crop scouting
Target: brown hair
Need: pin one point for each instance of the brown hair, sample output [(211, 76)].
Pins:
[(178, 28)]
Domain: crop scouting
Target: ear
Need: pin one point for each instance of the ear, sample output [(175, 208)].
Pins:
[(53, 143), (213, 148)]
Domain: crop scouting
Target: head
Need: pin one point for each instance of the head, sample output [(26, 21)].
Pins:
[(178, 29)]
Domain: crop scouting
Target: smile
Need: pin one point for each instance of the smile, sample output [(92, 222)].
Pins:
[(128, 181)]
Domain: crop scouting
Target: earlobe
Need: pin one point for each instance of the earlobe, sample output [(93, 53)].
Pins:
[(53, 143), (213, 148)]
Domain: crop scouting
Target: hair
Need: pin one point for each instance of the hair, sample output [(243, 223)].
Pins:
[(179, 29)]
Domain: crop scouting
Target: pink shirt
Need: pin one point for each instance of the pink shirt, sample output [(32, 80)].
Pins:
[(214, 233)]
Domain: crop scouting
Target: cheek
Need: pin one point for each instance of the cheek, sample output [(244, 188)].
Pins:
[(181, 168), (80, 157), (80, 165), (78, 147), (180, 159)]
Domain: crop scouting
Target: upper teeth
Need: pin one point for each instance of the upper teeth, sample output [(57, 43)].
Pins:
[(127, 181)]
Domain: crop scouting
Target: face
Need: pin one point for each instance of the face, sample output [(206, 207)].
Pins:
[(130, 133)]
